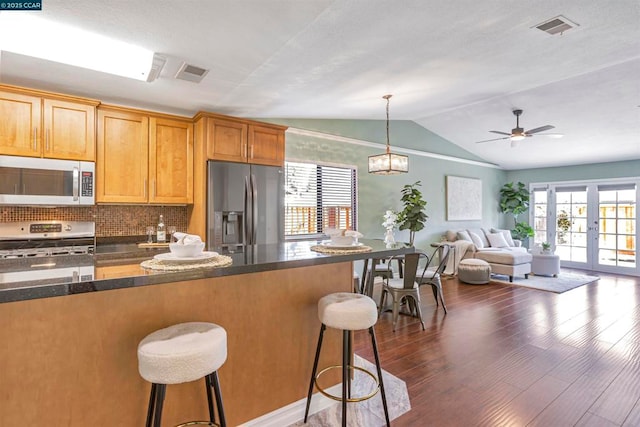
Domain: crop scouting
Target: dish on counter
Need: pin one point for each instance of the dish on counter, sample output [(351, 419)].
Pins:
[(330, 244), (171, 257)]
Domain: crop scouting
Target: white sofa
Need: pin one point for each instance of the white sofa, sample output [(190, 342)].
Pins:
[(504, 254)]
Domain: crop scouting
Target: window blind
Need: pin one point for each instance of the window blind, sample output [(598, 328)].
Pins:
[(318, 197)]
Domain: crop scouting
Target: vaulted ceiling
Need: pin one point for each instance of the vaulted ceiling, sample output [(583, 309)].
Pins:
[(457, 67)]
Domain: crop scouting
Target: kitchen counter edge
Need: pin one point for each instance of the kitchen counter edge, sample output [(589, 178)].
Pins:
[(303, 259)]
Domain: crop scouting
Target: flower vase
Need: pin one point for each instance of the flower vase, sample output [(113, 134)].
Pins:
[(389, 239)]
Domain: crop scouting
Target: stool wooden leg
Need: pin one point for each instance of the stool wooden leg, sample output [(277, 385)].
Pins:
[(382, 393), (160, 393), (212, 415), (152, 401), (315, 369)]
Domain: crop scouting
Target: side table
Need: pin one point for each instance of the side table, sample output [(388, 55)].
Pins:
[(545, 264)]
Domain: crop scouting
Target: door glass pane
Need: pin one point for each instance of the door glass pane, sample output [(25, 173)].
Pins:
[(616, 226), (571, 224), (540, 216)]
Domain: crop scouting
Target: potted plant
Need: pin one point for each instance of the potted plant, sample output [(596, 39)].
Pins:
[(546, 247), (412, 216), (514, 200)]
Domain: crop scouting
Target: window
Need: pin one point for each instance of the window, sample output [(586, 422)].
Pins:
[(318, 197), (540, 215)]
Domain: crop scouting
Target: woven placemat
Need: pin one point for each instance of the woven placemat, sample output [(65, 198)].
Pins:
[(335, 251), (216, 261)]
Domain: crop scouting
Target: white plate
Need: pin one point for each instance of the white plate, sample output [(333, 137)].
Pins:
[(170, 257), (336, 246)]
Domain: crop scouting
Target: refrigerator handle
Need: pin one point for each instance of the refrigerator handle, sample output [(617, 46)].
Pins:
[(254, 205), (245, 221)]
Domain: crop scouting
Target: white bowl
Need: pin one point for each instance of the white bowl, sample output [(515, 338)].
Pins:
[(342, 240), (189, 250)]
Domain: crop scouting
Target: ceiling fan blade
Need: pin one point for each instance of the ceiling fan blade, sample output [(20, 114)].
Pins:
[(540, 129), (495, 139), (500, 133)]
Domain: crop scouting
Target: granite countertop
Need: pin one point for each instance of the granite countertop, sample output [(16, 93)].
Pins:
[(117, 266)]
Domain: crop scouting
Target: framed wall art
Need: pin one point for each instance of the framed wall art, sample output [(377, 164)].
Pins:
[(464, 199)]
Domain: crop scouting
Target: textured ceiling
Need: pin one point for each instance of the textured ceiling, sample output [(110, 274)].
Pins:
[(455, 67)]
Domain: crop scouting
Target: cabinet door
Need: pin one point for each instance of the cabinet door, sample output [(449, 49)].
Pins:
[(170, 161), (226, 140), (20, 124), (266, 146), (69, 130), (122, 157)]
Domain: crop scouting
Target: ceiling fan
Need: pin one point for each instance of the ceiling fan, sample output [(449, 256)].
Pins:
[(518, 133)]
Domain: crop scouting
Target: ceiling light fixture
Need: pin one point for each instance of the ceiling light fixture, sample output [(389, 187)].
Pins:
[(388, 163), (31, 36)]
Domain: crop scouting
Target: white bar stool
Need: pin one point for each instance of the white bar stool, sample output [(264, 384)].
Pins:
[(349, 312), (182, 353)]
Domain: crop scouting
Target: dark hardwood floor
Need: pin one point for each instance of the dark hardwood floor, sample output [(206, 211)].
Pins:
[(512, 356)]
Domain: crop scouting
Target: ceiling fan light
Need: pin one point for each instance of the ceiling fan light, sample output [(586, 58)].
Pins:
[(518, 137)]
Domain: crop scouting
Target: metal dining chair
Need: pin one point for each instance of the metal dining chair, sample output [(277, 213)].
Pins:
[(432, 275), (406, 287)]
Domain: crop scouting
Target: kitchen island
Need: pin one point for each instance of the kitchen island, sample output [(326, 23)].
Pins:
[(69, 353)]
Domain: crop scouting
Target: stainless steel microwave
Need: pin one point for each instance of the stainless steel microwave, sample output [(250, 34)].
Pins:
[(30, 181)]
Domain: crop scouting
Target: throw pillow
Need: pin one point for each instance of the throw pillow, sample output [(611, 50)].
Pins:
[(463, 235), (497, 240), (476, 239), (506, 234)]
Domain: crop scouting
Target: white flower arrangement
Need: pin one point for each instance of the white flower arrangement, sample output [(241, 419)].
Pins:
[(390, 220)]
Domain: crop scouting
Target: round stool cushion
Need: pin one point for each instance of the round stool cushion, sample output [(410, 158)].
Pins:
[(182, 353), (474, 271), (349, 311)]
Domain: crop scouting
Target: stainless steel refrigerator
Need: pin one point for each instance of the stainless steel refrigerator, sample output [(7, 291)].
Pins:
[(245, 205)]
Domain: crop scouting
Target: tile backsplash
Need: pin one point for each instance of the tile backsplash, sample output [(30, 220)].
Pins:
[(111, 220)]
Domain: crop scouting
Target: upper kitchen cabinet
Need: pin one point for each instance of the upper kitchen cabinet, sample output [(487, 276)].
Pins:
[(226, 139), (143, 157), (266, 145), (42, 124), (171, 160), (238, 140)]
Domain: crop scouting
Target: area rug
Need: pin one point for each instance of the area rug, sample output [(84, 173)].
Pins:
[(564, 282)]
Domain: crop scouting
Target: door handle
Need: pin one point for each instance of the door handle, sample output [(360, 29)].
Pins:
[(254, 205), (76, 184), (246, 237)]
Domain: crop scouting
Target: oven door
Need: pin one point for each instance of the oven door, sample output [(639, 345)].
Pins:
[(34, 181)]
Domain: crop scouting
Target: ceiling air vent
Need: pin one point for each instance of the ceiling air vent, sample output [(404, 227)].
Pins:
[(191, 73), (557, 25)]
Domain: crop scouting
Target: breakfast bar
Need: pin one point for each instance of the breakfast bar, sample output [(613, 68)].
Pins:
[(69, 353)]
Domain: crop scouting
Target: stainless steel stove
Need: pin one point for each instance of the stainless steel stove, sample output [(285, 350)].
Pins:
[(46, 238), (46, 252)]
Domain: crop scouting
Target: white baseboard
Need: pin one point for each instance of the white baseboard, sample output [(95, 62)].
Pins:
[(294, 412)]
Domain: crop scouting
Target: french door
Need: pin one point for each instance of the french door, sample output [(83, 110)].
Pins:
[(590, 225)]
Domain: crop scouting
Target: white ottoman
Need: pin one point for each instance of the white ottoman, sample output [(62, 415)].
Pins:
[(545, 265), (474, 271)]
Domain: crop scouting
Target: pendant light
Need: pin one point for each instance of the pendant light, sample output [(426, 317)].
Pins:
[(388, 163)]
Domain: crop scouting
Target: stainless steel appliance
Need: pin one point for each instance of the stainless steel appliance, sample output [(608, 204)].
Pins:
[(52, 182), (245, 205), (31, 252)]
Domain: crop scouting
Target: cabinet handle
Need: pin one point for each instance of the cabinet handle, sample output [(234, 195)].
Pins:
[(154, 188), (35, 139), (46, 138), (244, 150), (251, 155), (144, 189)]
